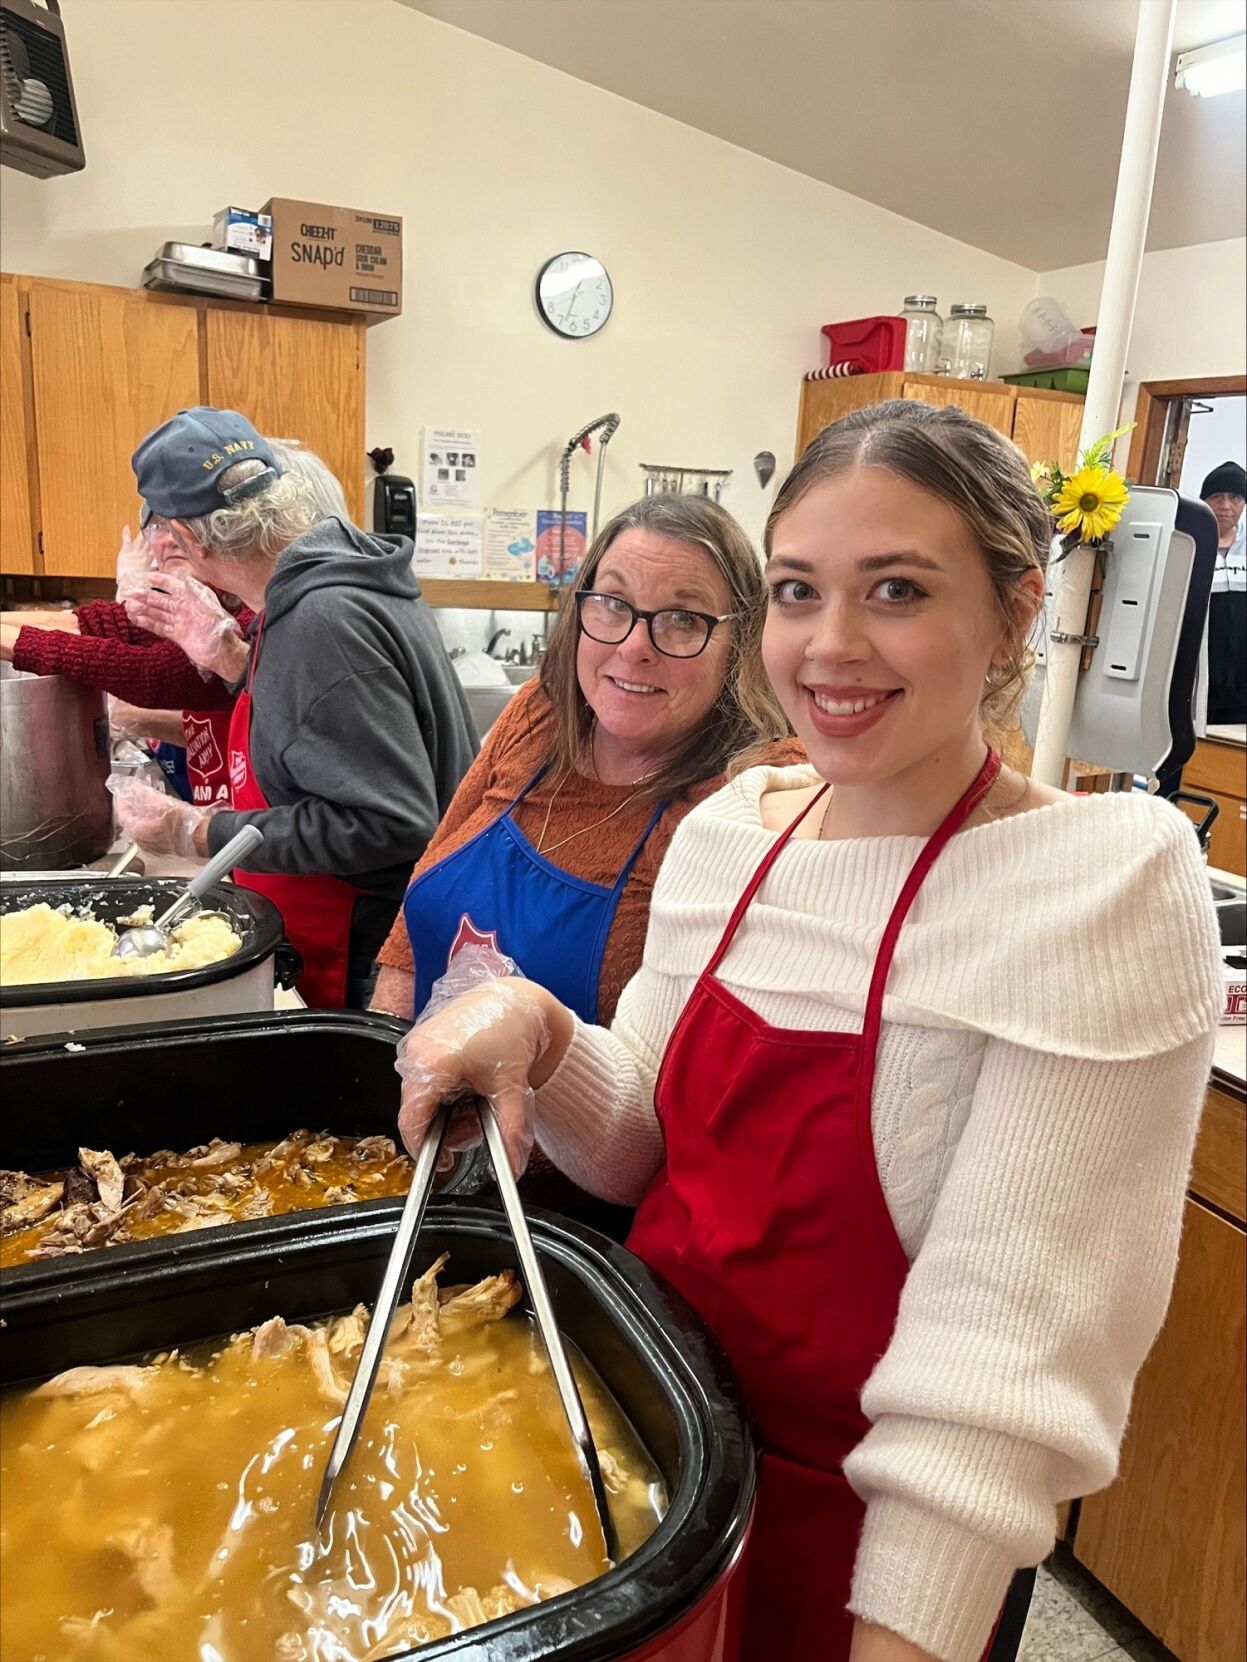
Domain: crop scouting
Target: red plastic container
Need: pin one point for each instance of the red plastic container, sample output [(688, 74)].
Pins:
[(876, 343)]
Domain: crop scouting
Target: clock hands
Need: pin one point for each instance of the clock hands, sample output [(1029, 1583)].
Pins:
[(571, 305)]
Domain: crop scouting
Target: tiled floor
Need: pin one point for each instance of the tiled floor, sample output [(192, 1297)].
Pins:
[(1072, 1619)]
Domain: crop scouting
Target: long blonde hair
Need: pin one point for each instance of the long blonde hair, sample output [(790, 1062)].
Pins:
[(745, 715)]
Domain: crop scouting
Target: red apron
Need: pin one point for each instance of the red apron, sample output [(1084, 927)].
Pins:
[(769, 1216), (317, 908), (207, 745)]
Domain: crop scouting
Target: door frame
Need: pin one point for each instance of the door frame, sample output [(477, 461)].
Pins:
[(1151, 412)]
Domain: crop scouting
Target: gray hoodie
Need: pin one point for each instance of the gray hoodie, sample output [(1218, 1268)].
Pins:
[(360, 732)]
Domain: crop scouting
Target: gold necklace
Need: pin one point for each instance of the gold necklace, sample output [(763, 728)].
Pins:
[(617, 809)]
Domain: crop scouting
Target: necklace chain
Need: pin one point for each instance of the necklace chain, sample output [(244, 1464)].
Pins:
[(617, 809), (584, 829)]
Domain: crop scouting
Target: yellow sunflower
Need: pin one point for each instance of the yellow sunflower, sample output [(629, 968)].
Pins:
[(1091, 502)]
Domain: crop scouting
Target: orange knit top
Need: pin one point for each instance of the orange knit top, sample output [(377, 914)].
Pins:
[(517, 745)]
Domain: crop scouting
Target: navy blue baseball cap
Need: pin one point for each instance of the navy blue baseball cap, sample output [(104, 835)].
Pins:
[(179, 465)]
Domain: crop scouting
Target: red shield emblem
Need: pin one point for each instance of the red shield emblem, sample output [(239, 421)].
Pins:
[(469, 935), (237, 769), (203, 755)]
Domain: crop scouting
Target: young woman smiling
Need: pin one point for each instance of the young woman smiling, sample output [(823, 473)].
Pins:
[(905, 1102)]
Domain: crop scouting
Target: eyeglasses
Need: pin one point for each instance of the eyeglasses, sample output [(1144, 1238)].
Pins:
[(674, 631)]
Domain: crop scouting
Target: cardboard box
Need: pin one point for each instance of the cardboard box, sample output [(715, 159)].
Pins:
[(239, 231), (342, 258)]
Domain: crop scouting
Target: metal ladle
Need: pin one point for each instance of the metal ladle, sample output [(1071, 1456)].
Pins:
[(146, 939)]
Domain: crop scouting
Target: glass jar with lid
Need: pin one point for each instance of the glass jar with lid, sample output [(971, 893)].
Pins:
[(968, 342), (923, 332)]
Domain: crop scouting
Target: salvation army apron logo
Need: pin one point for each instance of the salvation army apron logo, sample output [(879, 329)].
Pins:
[(202, 751), (469, 935), (237, 769)]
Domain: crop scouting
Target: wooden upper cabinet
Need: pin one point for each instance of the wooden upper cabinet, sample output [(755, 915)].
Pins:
[(294, 378), (108, 366), (17, 535), (985, 401), (824, 402), (1047, 425)]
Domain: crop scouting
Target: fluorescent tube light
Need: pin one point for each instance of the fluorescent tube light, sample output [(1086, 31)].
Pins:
[(1209, 70)]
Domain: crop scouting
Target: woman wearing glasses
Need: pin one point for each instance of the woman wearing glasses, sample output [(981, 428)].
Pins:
[(652, 682)]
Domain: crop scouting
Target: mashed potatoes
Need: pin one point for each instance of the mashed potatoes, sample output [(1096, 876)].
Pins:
[(42, 944)]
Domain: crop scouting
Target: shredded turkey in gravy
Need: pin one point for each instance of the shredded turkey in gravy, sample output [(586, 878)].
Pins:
[(172, 1501), (104, 1201)]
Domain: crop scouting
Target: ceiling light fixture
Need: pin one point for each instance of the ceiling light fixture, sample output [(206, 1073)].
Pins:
[(1209, 70)]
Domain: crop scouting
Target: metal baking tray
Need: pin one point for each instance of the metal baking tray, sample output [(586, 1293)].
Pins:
[(227, 261), (173, 274)]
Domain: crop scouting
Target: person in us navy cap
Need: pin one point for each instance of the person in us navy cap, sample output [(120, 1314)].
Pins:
[(1225, 492), (350, 731)]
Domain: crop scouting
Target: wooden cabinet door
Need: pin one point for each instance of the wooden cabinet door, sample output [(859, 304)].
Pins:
[(1168, 1537), (1219, 770), (17, 537), (823, 402), (1047, 426), (108, 366), (295, 378), (985, 401)]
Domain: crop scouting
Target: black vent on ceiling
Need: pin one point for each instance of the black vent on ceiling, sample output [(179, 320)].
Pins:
[(47, 64)]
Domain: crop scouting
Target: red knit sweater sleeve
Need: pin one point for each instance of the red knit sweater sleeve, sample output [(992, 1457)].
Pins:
[(107, 620), (154, 674)]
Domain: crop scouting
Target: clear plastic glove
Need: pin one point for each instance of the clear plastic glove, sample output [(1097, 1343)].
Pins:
[(134, 564), (182, 609), (479, 1035), (127, 721), (158, 823)]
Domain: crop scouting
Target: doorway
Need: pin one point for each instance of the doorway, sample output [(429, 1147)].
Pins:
[(1163, 416)]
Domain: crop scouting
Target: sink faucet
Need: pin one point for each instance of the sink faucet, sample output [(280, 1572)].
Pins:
[(498, 635)]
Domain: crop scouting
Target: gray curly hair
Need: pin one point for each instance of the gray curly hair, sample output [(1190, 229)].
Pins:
[(305, 492)]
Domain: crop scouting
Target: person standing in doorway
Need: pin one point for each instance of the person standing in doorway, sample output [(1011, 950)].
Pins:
[(1225, 492)]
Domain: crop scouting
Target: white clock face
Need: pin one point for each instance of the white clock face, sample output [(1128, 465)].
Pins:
[(574, 295)]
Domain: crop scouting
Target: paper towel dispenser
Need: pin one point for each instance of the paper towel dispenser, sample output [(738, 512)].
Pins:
[(394, 505)]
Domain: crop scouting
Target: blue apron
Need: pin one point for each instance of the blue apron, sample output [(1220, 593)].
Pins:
[(498, 891)]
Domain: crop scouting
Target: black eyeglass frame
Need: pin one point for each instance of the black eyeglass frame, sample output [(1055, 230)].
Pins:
[(638, 616)]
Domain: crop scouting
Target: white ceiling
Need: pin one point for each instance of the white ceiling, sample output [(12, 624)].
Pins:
[(997, 122)]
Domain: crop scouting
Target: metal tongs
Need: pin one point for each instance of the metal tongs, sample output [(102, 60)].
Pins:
[(395, 1279)]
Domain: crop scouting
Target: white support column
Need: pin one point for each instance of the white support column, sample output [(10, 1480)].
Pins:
[(1149, 81)]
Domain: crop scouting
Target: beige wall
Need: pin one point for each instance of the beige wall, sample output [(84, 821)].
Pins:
[(1190, 319), (725, 265)]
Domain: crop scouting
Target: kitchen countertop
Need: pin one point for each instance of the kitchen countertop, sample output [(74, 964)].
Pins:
[(1229, 1057), (1228, 735)]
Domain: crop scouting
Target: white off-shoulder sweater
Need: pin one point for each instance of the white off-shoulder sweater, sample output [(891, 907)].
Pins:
[(1047, 1037)]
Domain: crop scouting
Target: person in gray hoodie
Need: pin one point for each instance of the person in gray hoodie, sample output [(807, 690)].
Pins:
[(351, 730)]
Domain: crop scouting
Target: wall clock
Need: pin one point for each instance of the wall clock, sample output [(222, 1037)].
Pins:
[(574, 295)]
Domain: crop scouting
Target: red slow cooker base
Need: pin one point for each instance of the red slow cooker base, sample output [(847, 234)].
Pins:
[(710, 1631)]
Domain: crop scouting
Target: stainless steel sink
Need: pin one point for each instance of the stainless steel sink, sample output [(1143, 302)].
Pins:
[(517, 674), (1231, 907), (486, 705)]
